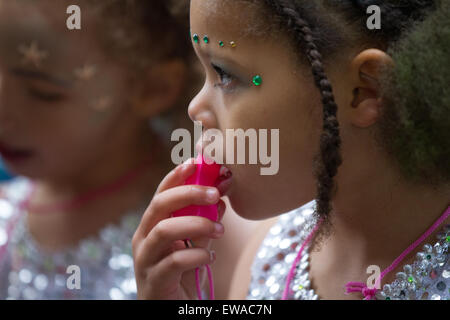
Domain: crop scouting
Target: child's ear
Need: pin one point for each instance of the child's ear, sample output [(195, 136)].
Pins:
[(160, 88), (367, 69)]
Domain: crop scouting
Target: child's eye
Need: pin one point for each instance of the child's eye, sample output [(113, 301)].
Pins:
[(226, 79)]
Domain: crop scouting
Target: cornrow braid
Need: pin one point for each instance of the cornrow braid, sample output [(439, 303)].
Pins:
[(329, 158)]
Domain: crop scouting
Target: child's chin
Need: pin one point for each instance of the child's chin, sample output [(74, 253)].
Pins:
[(247, 208)]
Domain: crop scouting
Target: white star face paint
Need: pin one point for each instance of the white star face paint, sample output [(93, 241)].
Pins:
[(31, 54), (85, 73), (102, 104)]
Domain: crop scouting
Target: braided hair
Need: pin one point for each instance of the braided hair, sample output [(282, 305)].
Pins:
[(330, 157), (316, 35)]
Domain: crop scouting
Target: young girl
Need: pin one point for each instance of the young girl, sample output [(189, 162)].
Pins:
[(74, 120), (381, 167)]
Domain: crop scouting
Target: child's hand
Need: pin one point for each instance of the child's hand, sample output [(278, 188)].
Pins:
[(164, 267)]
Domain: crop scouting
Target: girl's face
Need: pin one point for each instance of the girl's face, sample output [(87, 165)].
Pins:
[(61, 99), (287, 100)]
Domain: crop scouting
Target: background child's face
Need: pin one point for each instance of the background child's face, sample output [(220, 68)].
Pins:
[(62, 100), (287, 100)]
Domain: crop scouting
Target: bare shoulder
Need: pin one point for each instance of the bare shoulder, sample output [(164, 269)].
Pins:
[(242, 275)]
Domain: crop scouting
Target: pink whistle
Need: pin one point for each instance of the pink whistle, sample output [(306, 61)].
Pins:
[(205, 175)]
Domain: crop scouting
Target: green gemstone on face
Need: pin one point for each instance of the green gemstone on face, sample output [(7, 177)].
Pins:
[(257, 80), (429, 257), (221, 43), (410, 279), (387, 298), (447, 239), (196, 38), (206, 39)]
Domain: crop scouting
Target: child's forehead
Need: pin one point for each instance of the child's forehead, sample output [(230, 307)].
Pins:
[(33, 28), (223, 18)]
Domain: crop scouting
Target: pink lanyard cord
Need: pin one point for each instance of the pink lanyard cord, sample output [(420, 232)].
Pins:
[(287, 289), (350, 287), (189, 244), (92, 195), (211, 283)]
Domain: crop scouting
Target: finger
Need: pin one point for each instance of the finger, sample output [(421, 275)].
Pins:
[(205, 242), (171, 200), (161, 238), (177, 176), (168, 273), (221, 206)]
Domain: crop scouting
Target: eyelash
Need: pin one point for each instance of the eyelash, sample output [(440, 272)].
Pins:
[(44, 96), (226, 80)]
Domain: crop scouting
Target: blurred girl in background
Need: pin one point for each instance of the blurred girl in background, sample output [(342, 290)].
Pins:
[(84, 116)]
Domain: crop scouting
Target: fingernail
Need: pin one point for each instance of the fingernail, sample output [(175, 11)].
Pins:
[(180, 168), (218, 229), (186, 164), (212, 195), (212, 256)]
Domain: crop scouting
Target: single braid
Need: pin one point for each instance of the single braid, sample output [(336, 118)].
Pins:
[(329, 158)]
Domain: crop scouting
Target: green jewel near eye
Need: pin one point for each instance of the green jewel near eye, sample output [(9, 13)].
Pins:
[(221, 43), (196, 38), (257, 80), (206, 39)]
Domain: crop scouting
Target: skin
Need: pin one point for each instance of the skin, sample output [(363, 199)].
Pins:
[(371, 224), (76, 148)]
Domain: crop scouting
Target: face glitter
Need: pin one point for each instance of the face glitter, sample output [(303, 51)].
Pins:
[(85, 73), (32, 54), (102, 104), (196, 38), (257, 80)]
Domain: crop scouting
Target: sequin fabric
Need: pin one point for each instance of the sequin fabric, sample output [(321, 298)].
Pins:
[(105, 261), (427, 278)]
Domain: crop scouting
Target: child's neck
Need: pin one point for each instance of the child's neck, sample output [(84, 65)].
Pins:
[(386, 214), (373, 224), (105, 169)]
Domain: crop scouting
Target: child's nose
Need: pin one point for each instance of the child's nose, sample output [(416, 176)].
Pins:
[(201, 110)]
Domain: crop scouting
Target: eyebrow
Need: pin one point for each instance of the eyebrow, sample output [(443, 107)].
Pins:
[(41, 76)]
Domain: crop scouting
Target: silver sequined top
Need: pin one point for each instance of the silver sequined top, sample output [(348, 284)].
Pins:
[(99, 267), (427, 278)]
